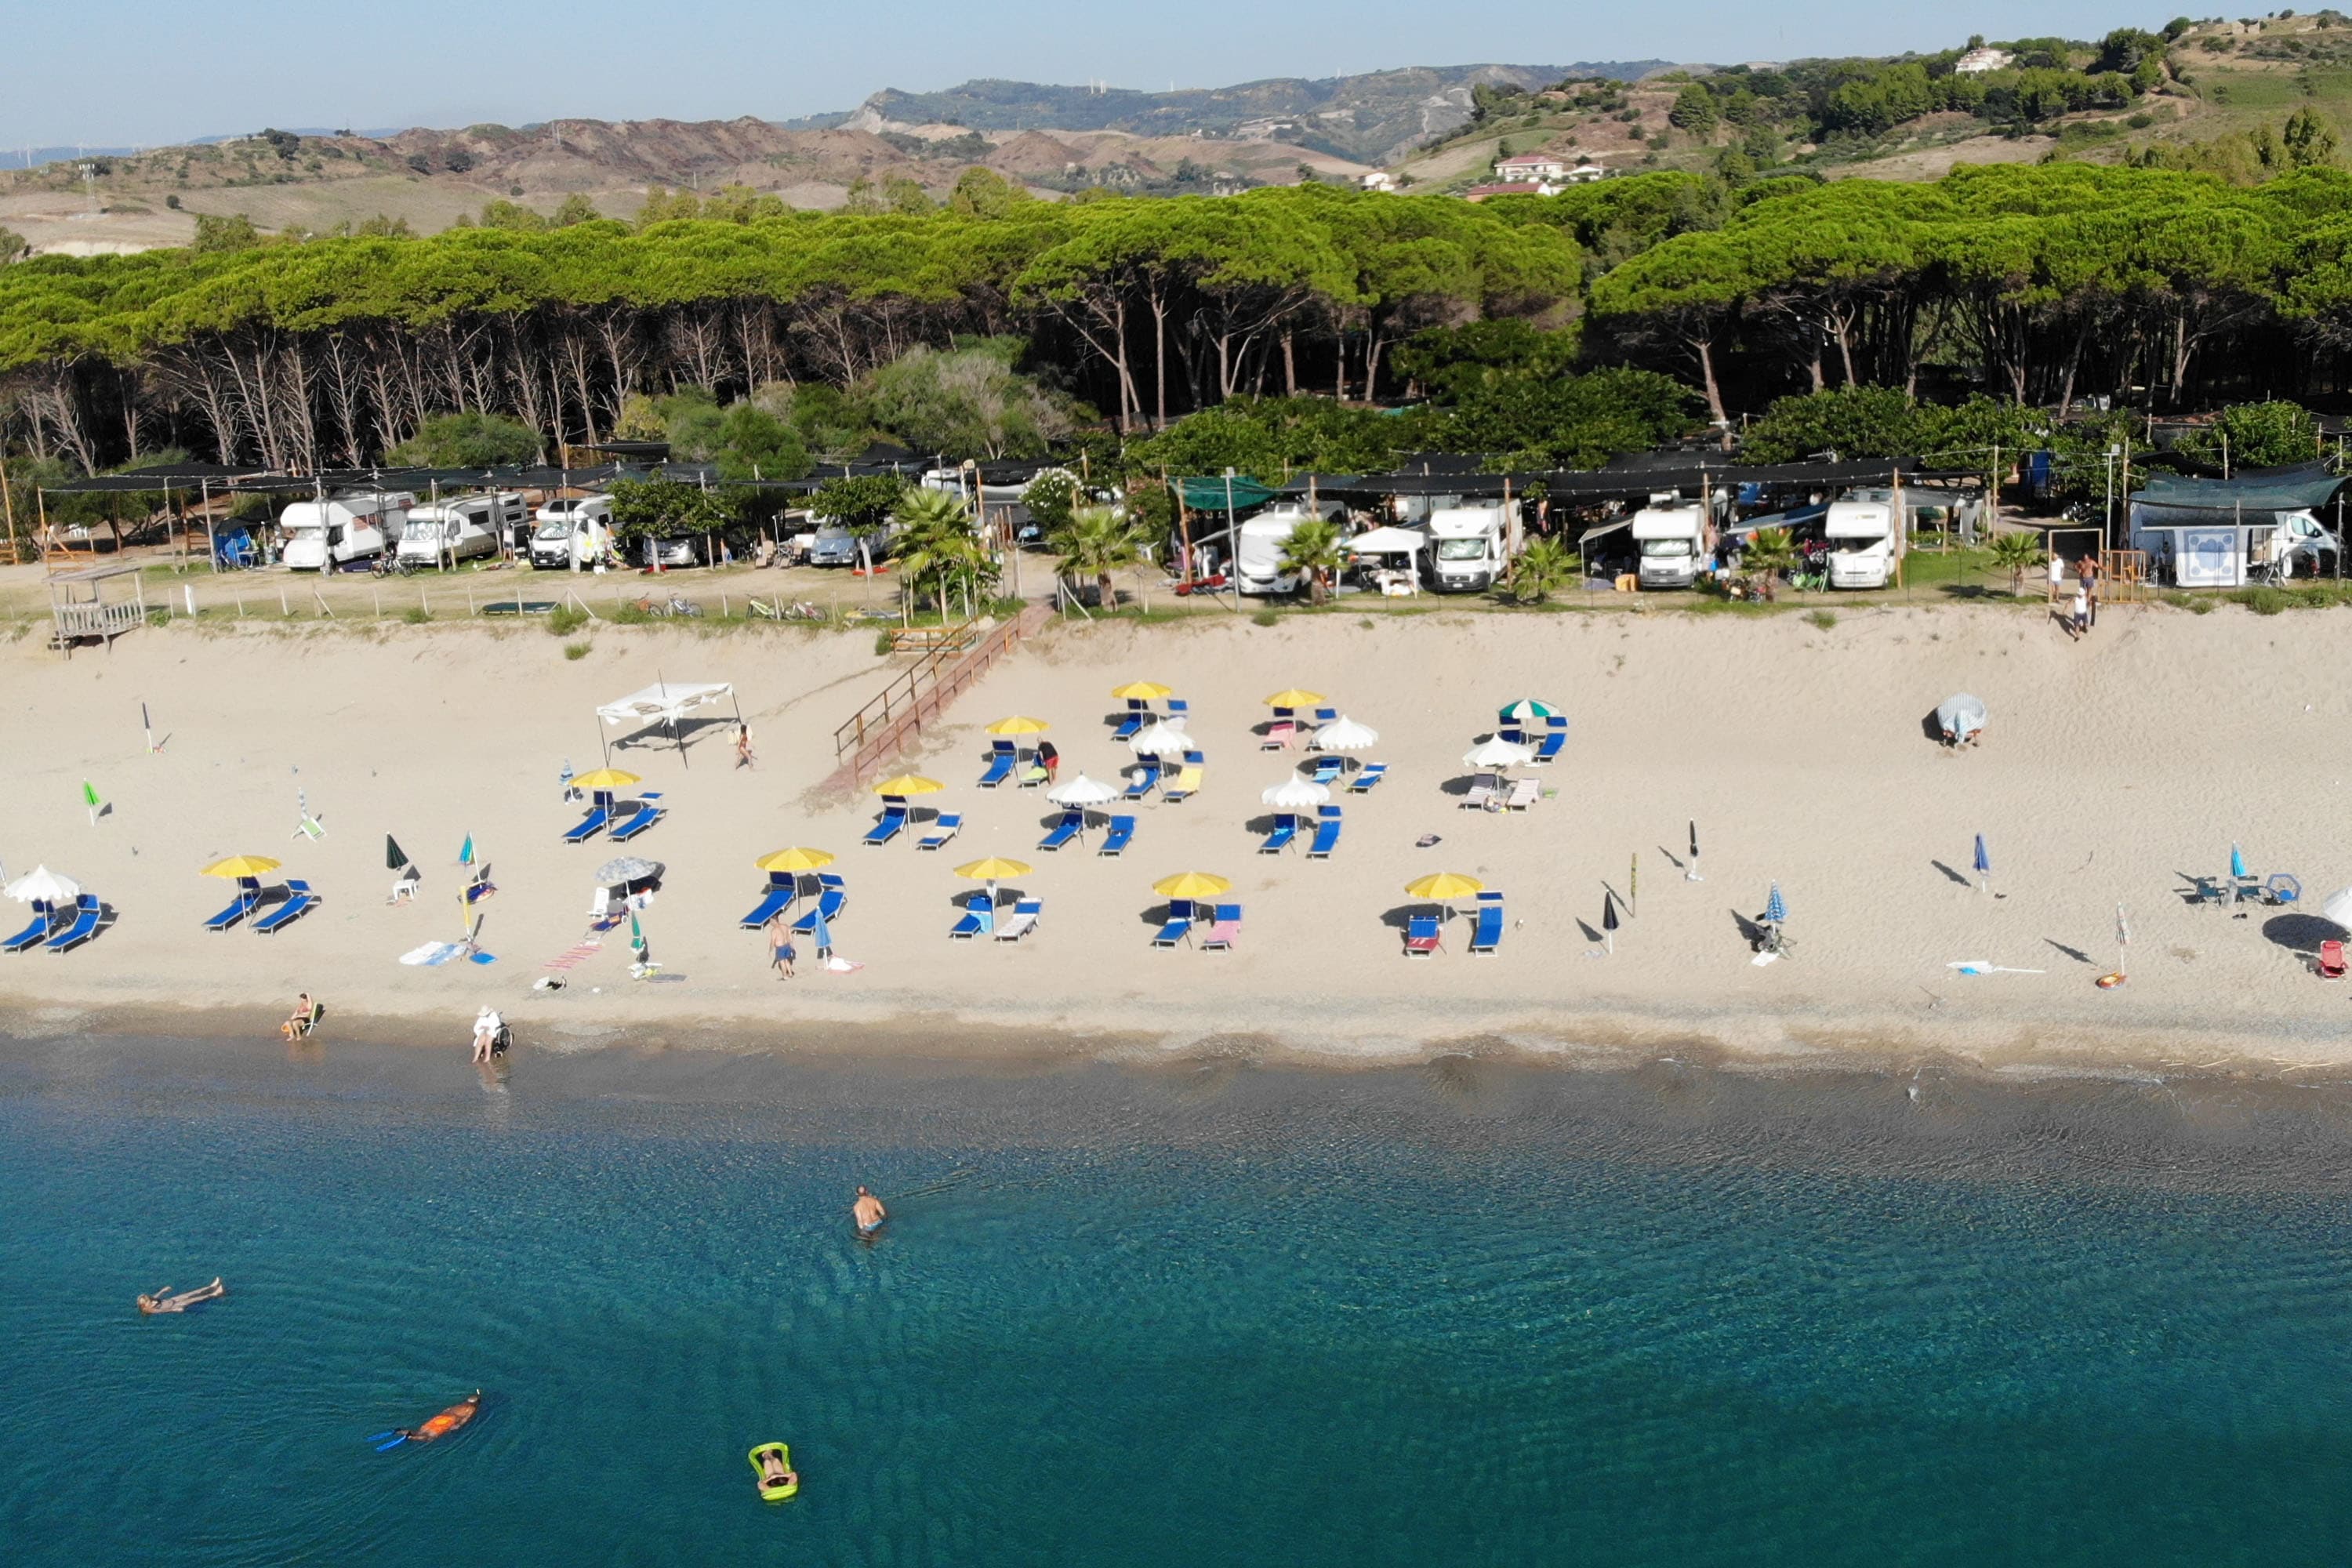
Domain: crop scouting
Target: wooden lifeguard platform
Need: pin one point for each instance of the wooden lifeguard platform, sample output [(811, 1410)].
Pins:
[(80, 609)]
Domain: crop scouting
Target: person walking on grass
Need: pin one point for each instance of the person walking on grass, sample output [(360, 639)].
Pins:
[(780, 947)]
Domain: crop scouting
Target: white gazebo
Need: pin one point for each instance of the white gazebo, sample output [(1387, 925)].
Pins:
[(664, 703)]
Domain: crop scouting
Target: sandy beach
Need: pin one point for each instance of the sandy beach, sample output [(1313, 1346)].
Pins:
[(2110, 772)]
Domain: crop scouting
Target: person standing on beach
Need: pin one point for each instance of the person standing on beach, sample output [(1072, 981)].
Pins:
[(2089, 569), (1049, 759), (743, 745), (2080, 625), (869, 1212), (780, 947)]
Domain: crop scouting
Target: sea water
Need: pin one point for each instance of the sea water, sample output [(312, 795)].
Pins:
[(1186, 1317)]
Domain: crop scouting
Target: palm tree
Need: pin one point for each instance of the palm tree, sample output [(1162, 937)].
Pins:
[(1096, 541), (2019, 551), (1771, 553), (1544, 565), (1314, 551), (936, 547)]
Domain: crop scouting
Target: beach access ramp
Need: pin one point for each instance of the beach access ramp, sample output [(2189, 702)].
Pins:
[(895, 718)]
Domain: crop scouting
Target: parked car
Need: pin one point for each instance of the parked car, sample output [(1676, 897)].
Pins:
[(679, 550), (832, 546)]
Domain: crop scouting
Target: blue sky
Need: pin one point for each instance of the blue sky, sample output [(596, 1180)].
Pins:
[(141, 71)]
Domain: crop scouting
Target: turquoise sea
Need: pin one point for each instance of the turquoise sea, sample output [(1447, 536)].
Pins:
[(1458, 1315)]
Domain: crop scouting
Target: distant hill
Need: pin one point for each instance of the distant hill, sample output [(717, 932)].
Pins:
[(1367, 119)]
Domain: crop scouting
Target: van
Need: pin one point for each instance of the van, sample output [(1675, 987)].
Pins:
[(573, 533), (1258, 546), (1861, 535), (1672, 539), (321, 535), (463, 529), (1466, 553)]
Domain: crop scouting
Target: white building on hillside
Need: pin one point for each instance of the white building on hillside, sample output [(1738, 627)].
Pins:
[(1543, 168), (1977, 61), (1379, 180)]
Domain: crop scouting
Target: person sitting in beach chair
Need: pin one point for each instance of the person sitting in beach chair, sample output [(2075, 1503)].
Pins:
[(165, 1301), (304, 1018)]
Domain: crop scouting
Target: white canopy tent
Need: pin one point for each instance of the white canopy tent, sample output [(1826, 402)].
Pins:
[(664, 703)]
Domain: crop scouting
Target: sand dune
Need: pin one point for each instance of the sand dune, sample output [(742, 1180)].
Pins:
[(2110, 769)]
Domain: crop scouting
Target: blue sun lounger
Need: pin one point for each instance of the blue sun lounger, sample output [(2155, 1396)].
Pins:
[(979, 918), (783, 887), (1146, 779), (1178, 926), (299, 899), (888, 825), (1554, 738), (590, 826), (1326, 716), (1001, 758), (32, 935), (1327, 833), (1178, 708), (1224, 931), (1121, 835), (831, 898), (1286, 829), (1328, 770), (649, 811), (1487, 935), (248, 899), (1072, 824), (944, 827), (1139, 714), (1424, 937), (1372, 774), (86, 909)]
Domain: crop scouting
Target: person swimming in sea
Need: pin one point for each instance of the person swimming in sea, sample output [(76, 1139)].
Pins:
[(441, 1426), (869, 1212), (165, 1301)]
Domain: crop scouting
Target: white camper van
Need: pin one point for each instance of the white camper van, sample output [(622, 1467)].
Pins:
[(1673, 538), (1466, 547), (571, 533), (324, 534), (1862, 543), (461, 529), (1258, 546)]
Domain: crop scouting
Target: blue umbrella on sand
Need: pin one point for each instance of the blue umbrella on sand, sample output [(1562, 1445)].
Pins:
[(1984, 866), (1776, 908)]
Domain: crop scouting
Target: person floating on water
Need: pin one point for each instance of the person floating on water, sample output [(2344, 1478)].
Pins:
[(165, 1301), (868, 1212), (774, 1472), (441, 1426)]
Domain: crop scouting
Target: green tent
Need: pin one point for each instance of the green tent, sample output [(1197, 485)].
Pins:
[(1212, 494)]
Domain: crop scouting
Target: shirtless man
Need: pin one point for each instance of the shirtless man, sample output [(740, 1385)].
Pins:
[(441, 1426), (165, 1301), (869, 1212)]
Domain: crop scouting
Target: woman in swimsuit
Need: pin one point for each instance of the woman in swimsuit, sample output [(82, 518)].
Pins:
[(165, 1301)]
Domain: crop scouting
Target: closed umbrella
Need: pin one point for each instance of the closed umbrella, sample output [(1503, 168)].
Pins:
[(1776, 908), (1984, 866), (1082, 792), (42, 886), (1609, 921), (394, 857), (1494, 752), (1297, 793), (1344, 735), (1161, 740)]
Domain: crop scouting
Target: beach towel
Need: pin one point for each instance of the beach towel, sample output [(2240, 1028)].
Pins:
[(840, 965), (433, 954)]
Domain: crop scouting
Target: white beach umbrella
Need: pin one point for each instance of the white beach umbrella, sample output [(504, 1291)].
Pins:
[(1494, 752), (40, 885), (1082, 792), (1162, 740), (1296, 792), (1344, 735), (2336, 907)]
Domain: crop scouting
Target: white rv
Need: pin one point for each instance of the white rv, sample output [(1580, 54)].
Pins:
[(1466, 547), (321, 535), (462, 529), (571, 533), (1258, 545), (1862, 543), (1673, 538)]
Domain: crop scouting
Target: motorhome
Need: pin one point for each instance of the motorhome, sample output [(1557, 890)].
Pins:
[(1466, 547), (573, 533), (1673, 538), (1258, 546), (321, 535), (462, 529), (1861, 535)]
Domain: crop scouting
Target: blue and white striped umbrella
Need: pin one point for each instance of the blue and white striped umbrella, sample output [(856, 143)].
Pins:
[(1776, 908), (1984, 860), (2237, 861)]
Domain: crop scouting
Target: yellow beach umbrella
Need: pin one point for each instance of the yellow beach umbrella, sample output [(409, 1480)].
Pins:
[(794, 860), (908, 783), (1017, 725), (1294, 698), (1142, 691), (237, 866), (994, 869), (605, 778), (1192, 885), (1444, 885)]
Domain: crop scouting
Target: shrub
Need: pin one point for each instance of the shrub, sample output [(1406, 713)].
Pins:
[(1824, 619), (575, 650), (565, 620), (1264, 618), (416, 614)]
